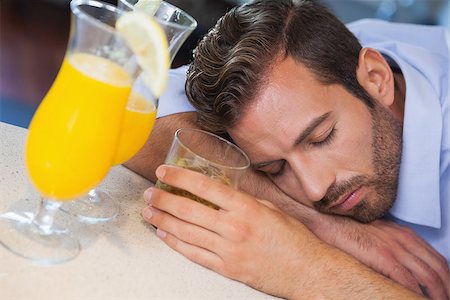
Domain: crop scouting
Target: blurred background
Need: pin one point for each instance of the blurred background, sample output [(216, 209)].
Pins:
[(34, 33)]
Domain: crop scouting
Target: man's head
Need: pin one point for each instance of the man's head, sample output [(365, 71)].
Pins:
[(295, 90)]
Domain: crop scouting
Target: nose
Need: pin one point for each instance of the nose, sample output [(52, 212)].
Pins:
[(314, 177)]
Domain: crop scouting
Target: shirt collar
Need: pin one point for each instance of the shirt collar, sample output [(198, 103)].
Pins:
[(418, 194)]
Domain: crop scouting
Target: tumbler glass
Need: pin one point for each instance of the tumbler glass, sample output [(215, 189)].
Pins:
[(206, 153)]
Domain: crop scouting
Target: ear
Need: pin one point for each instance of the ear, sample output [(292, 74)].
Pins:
[(375, 75)]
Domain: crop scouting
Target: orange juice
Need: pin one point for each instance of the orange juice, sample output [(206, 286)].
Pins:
[(138, 122), (74, 134)]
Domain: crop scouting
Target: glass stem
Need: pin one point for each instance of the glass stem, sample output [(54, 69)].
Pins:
[(45, 216)]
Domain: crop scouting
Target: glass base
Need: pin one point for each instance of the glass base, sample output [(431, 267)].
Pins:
[(20, 235), (95, 207)]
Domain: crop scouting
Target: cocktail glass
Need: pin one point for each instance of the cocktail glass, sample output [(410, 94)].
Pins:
[(98, 205), (221, 160), (177, 24), (74, 134)]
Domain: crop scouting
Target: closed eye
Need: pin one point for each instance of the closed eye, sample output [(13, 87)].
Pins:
[(279, 172), (328, 139)]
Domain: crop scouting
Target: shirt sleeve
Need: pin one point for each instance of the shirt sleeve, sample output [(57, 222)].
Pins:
[(174, 99)]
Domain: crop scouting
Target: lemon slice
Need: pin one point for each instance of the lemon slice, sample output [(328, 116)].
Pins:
[(148, 41), (148, 6)]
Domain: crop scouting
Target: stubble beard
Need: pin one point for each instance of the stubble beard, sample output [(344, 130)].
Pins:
[(386, 156)]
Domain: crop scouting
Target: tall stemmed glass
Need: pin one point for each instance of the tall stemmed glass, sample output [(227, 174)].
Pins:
[(177, 24), (74, 134), (98, 205)]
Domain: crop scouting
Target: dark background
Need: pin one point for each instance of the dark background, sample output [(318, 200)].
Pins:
[(34, 33)]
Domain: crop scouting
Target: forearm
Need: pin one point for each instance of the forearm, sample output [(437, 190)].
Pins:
[(336, 275), (155, 149), (260, 186)]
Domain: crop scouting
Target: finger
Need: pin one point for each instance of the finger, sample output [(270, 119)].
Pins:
[(148, 194), (412, 234), (432, 258), (202, 186), (195, 254), (433, 261), (425, 276), (421, 249), (186, 232), (186, 209), (398, 273)]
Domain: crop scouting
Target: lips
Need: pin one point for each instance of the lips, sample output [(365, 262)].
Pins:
[(347, 201)]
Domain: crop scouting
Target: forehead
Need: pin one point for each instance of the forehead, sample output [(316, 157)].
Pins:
[(291, 98)]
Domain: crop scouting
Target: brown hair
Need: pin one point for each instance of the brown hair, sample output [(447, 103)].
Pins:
[(231, 61)]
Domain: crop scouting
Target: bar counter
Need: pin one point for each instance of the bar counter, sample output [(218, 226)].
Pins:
[(121, 259)]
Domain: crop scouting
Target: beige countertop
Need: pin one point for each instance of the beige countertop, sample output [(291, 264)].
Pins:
[(122, 259)]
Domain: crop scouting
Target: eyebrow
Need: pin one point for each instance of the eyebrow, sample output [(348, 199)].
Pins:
[(303, 135)]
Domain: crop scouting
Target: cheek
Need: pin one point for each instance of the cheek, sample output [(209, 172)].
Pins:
[(355, 146)]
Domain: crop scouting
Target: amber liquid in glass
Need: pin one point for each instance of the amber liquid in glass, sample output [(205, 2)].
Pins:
[(210, 171)]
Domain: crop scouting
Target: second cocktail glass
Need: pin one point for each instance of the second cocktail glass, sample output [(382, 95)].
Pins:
[(140, 114), (177, 24)]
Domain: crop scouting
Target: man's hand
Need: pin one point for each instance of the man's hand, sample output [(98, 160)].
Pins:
[(224, 240), (251, 241), (392, 250)]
